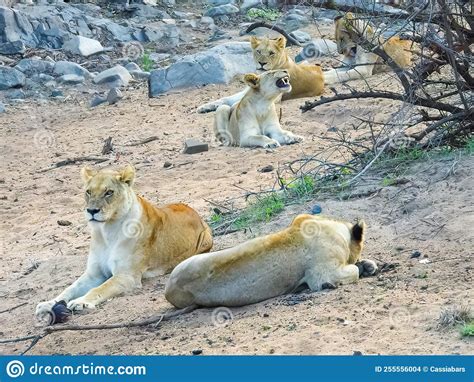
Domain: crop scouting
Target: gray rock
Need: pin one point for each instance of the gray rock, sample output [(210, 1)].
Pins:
[(42, 78), (97, 100), (11, 78), (2, 108), (31, 66), (207, 22), (119, 32), (193, 146), (114, 96), (83, 46), (66, 67), (131, 67), (15, 94), (14, 26), (166, 35), (140, 75), (71, 79), (13, 47), (216, 3), (218, 65), (247, 4), (116, 76), (222, 10), (56, 93), (301, 36), (317, 48)]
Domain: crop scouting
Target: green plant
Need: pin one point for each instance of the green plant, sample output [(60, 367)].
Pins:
[(388, 181), (467, 330), (147, 62), (299, 187), (262, 210), (216, 218), (265, 14)]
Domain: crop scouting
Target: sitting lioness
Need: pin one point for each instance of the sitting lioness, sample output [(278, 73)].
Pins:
[(359, 63), (306, 80), (315, 251), (131, 239), (253, 121)]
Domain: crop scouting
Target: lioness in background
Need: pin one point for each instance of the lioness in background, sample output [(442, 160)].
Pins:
[(131, 239), (270, 54), (313, 250), (360, 63), (253, 121)]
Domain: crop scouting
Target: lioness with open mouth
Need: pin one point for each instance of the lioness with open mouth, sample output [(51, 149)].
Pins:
[(254, 121), (313, 250), (131, 239)]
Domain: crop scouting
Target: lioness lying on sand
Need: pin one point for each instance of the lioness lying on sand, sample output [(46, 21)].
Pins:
[(313, 250), (253, 121), (131, 239)]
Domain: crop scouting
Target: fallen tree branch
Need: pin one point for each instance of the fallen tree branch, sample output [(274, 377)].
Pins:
[(260, 24), (153, 320), (382, 94), (70, 161), (13, 308), (144, 141)]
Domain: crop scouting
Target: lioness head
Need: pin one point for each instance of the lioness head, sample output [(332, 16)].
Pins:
[(346, 29), (108, 193), (271, 83), (269, 54)]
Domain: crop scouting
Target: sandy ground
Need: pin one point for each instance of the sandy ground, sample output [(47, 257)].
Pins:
[(393, 313)]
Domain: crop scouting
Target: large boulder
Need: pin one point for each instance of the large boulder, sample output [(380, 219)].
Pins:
[(14, 26), (222, 10), (12, 47), (65, 67), (11, 78), (82, 45), (218, 65), (31, 66), (114, 77)]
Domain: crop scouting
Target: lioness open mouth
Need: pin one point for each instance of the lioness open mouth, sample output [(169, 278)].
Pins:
[(283, 82)]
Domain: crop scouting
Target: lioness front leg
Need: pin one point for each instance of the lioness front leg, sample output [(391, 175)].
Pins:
[(229, 101), (114, 286), (259, 141), (284, 137), (79, 288)]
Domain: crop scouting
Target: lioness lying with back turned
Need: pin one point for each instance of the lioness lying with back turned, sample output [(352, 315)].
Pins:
[(313, 250), (131, 239), (253, 121)]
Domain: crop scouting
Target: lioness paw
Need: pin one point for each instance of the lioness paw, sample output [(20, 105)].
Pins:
[(271, 144), (289, 138), (80, 304), (44, 309), (367, 268)]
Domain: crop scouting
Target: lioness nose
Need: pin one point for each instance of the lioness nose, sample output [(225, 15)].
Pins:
[(93, 211), (262, 63)]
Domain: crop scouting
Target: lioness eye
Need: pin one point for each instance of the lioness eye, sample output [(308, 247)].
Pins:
[(88, 193), (272, 53), (259, 51), (109, 193)]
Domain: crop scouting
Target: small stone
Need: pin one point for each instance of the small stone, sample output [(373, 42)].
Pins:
[(31, 66), (193, 146), (71, 79), (357, 352), (114, 96), (317, 209), (268, 168), (131, 66), (167, 164), (221, 10), (97, 100), (266, 315), (2, 108), (415, 254), (197, 351), (64, 223), (11, 78), (57, 93), (66, 67)]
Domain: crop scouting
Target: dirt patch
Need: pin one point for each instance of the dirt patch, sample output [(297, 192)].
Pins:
[(393, 313)]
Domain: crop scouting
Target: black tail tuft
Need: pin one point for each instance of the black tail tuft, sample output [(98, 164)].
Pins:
[(358, 231)]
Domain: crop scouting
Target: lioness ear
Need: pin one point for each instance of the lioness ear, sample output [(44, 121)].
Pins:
[(87, 173), (349, 16), (254, 42), (281, 42), (252, 80), (127, 175)]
